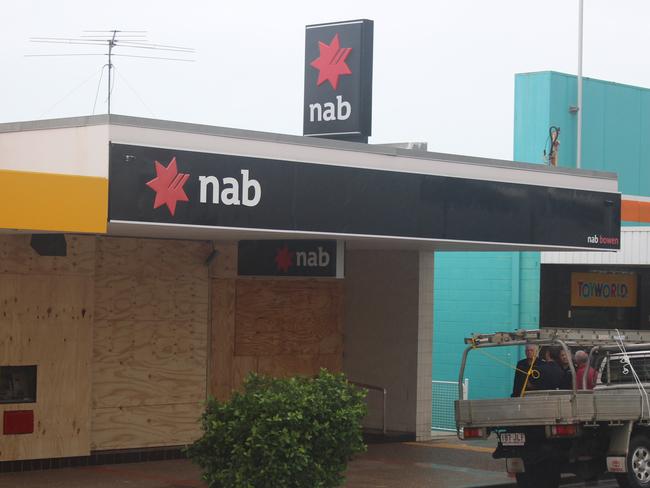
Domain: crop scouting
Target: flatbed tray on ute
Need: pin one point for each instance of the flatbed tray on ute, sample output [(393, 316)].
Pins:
[(554, 407), (610, 403)]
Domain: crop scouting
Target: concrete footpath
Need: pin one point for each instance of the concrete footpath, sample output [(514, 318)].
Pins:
[(444, 461)]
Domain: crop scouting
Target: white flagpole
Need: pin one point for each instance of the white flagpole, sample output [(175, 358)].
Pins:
[(579, 128)]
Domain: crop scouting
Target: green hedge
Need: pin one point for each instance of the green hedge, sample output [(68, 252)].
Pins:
[(290, 433)]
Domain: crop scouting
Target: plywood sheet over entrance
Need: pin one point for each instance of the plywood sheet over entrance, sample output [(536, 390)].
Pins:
[(277, 327), (150, 343), (46, 314)]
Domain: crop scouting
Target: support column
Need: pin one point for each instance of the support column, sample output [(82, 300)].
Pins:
[(388, 332), (425, 347)]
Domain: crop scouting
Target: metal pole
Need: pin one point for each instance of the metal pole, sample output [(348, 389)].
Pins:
[(111, 43), (579, 128)]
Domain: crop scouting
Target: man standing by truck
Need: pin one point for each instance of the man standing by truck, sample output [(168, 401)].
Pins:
[(551, 375), (523, 366), (582, 359)]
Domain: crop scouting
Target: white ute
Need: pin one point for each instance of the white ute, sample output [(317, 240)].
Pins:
[(586, 432)]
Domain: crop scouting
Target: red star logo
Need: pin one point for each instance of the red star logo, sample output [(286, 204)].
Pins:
[(284, 259), (168, 185), (331, 63)]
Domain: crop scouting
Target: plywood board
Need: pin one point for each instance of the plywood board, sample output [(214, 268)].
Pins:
[(290, 365), (222, 337), (224, 264), (161, 257), (280, 317), (145, 363), (150, 343), (115, 296), (17, 256), (47, 321), (275, 327), (283, 366), (241, 367), (331, 362), (146, 426), (151, 257), (118, 256), (182, 297)]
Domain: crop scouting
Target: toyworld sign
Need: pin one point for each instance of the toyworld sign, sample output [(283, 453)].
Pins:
[(290, 258), (172, 188), (338, 80)]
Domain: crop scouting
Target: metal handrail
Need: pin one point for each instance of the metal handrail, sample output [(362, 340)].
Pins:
[(384, 392)]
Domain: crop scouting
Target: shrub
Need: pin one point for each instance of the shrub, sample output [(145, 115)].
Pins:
[(294, 433)]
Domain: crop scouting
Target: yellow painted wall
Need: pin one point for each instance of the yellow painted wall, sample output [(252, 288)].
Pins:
[(53, 202)]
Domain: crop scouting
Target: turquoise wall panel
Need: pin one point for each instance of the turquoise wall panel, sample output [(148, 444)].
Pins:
[(615, 125), (532, 120), (482, 292)]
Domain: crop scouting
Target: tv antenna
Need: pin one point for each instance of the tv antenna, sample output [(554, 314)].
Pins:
[(111, 39)]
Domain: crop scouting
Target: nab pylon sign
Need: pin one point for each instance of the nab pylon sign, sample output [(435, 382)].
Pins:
[(338, 80)]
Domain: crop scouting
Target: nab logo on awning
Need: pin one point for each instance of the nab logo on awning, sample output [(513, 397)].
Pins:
[(168, 185), (169, 182), (290, 258), (338, 80), (285, 259)]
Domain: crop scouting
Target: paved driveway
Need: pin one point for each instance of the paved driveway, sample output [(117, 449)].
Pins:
[(443, 462)]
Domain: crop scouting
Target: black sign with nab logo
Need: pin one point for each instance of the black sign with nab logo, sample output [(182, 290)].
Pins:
[(338, 80), (287, 258)]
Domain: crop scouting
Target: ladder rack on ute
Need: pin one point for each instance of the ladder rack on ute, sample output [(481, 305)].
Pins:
[(582, 337), (564, 337)]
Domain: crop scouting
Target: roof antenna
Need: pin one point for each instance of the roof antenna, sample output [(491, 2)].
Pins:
[(126, 39)]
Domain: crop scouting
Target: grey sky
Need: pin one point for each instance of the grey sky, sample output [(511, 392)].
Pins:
[(443, 70)]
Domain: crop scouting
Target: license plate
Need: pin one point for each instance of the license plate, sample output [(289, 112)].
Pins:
[(513, 439)]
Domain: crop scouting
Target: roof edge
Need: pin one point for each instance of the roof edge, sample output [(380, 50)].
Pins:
[(146, 123)]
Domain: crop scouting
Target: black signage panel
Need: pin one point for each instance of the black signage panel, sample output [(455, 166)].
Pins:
[(338, 80), (287, 258), (167, 186)]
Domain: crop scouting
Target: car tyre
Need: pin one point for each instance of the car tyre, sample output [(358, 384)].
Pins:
[(638, 464), (544, 474)]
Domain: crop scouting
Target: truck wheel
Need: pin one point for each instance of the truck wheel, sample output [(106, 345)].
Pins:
[(621, 479), (545, 474), (523, 480), (638, 463)]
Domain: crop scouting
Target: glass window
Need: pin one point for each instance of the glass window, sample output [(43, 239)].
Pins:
[(17, 384), (622, 373)]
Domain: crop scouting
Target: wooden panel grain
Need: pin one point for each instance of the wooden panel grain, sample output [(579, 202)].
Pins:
[(183, 297), (291, 365), (282, 366), (148, 363), (118, 256), (150, 343), (276, 317), (115, 296), (49, 324), (17, 256), (224, 264), (331, 362), (241, 367), (165, 257), (146, 426), (222, 346), (37, 310)]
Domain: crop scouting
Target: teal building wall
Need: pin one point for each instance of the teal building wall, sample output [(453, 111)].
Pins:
[(615, 125), (485, 292), (494, 291)]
